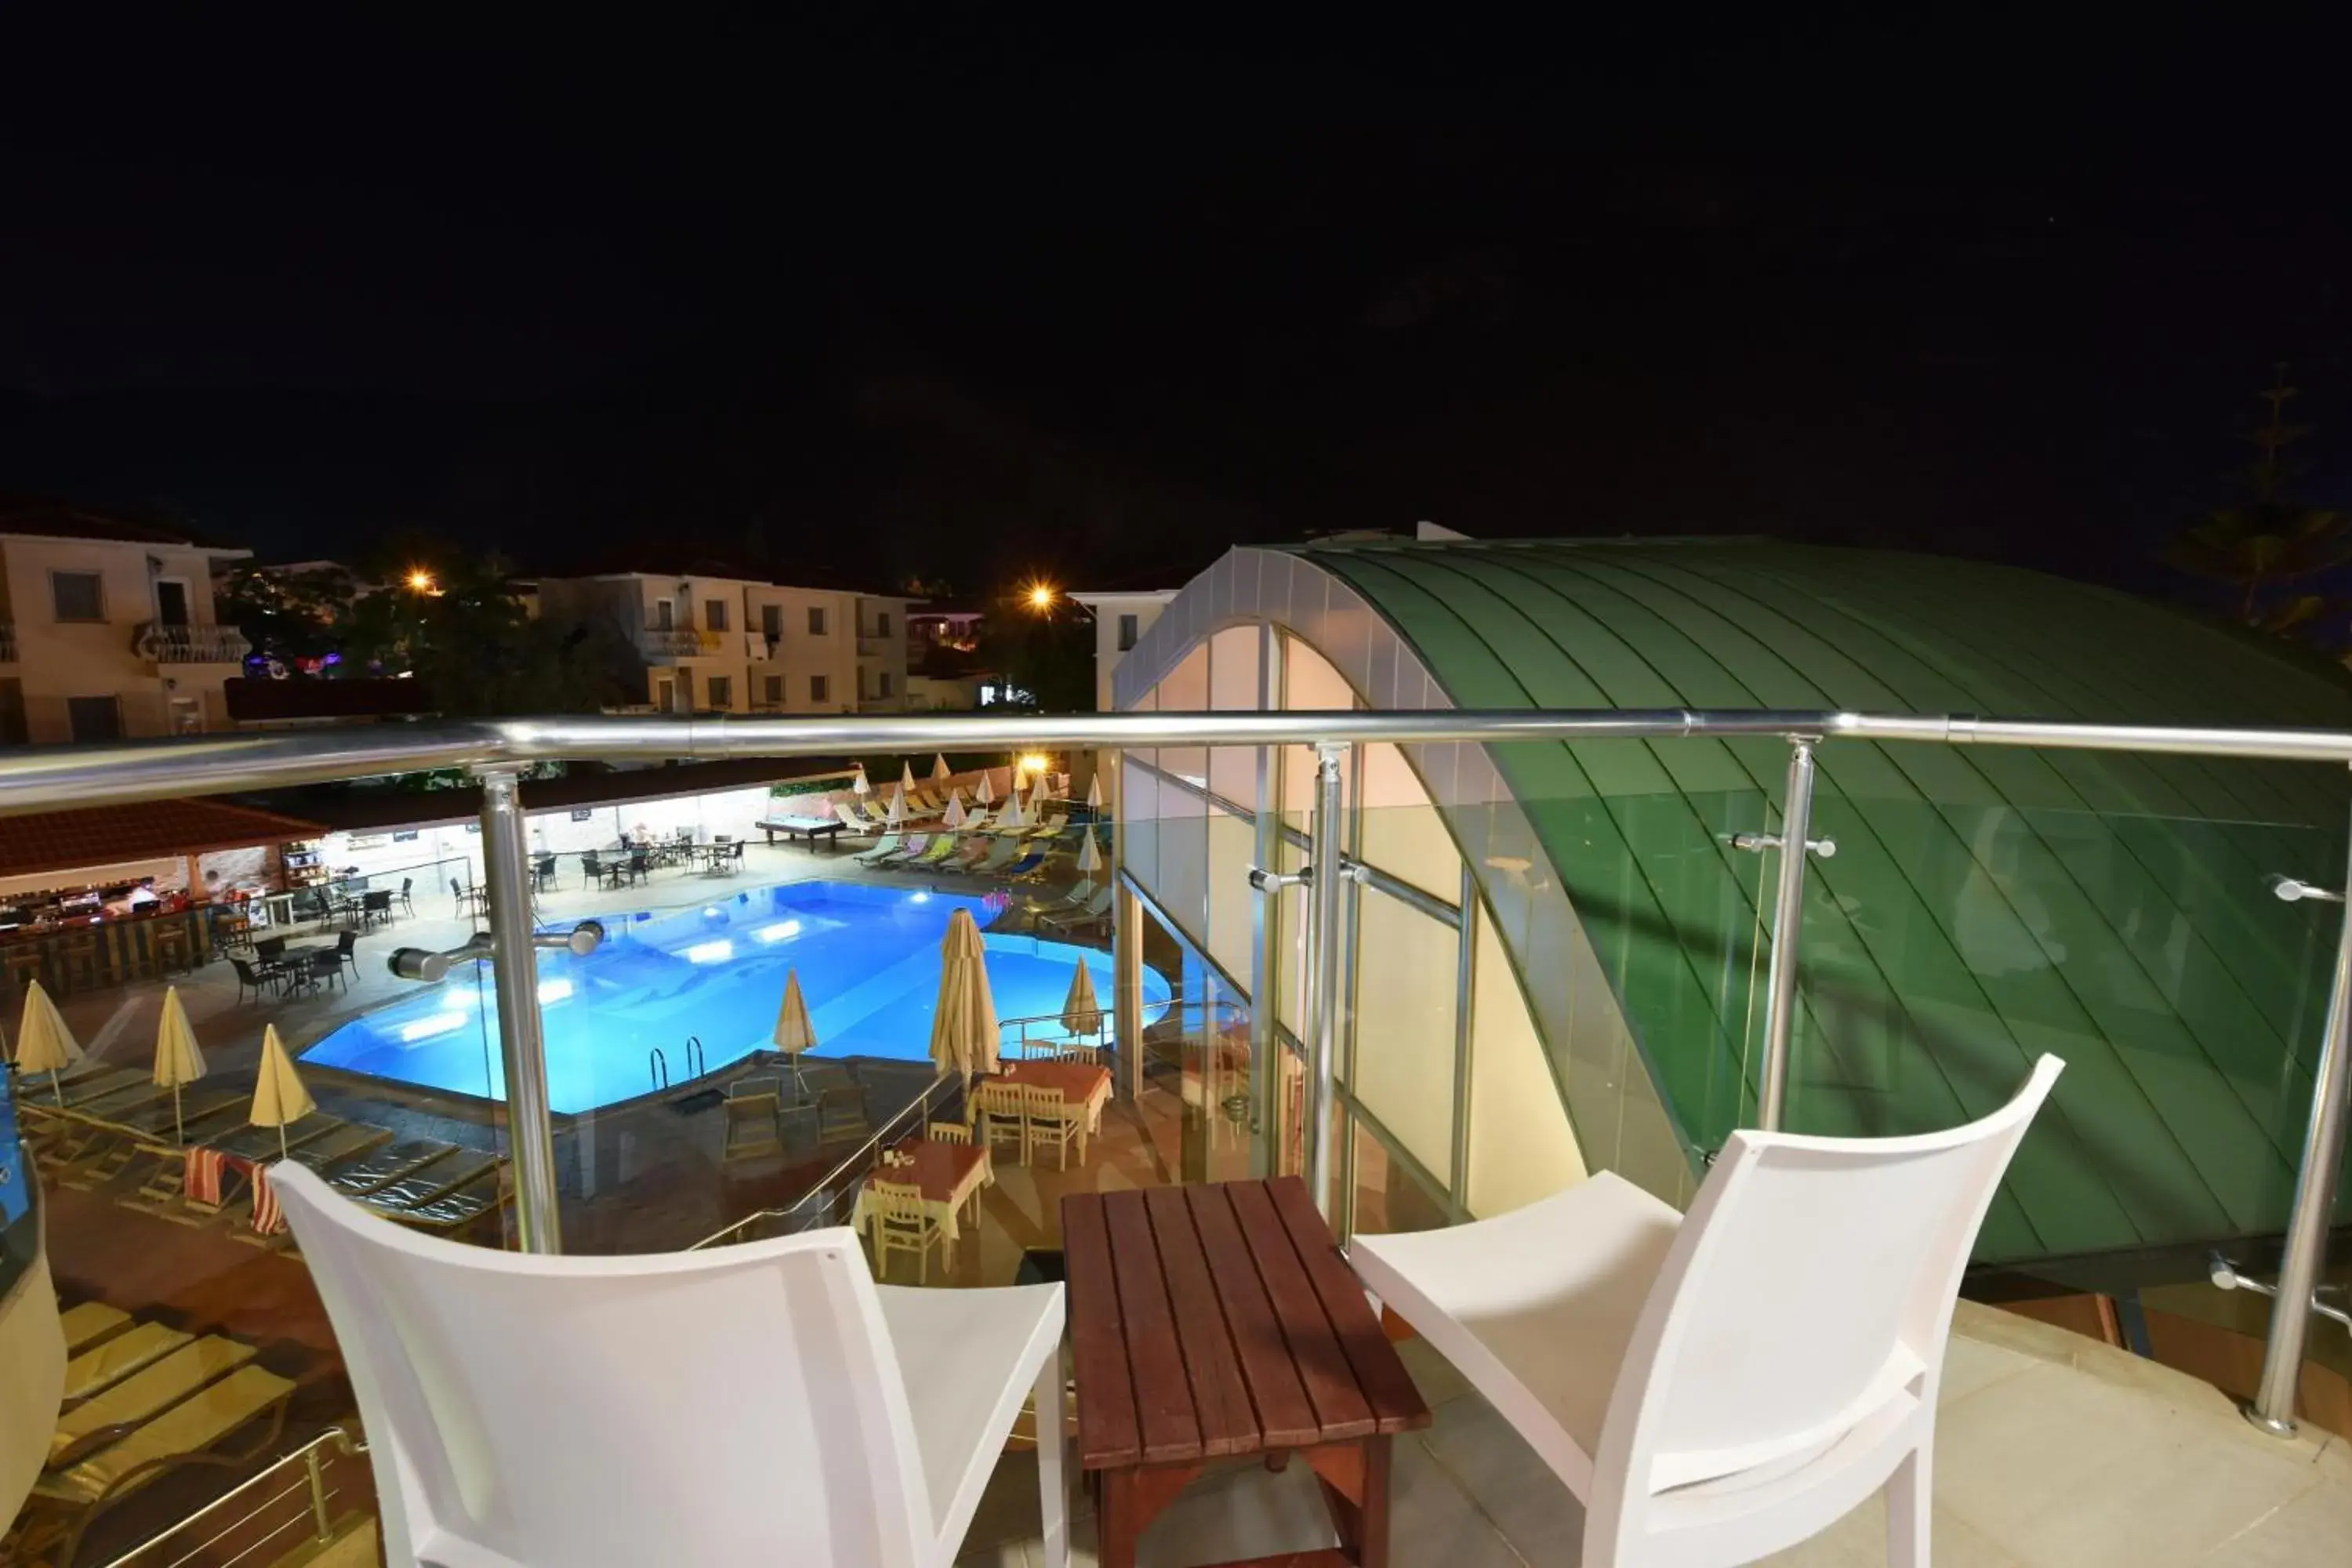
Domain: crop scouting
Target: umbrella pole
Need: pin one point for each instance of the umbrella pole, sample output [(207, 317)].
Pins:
[(179, 1127), (281, 1140), (56, 1088)]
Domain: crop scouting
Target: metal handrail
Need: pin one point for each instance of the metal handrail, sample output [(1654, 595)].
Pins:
[(863, 1151), (341, 1438), (658, 1068), (40, 778), (697, 1064)]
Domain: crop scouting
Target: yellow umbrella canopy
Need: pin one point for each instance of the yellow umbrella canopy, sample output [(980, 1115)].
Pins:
[(179, 1061), (795, 1033), (964, 1029), (278, 1097), (44, 1044), (940, 768), (907, 777), (1081, 1013)]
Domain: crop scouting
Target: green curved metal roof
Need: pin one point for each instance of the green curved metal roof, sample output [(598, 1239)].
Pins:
[(1983, 905)]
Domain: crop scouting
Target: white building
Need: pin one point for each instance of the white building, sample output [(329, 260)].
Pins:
[(731, 645), (106, 628), (1120, 618)]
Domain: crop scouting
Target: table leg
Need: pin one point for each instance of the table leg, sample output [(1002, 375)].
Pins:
[(1118, 1525), (1354, 1478)]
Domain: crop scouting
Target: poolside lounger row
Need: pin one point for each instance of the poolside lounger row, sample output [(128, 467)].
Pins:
[(142, 1400)]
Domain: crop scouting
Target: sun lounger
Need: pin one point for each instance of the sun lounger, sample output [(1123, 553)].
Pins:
[(342, 1145), (87, 1322), (162, 1385), (110, 1361), (389, 1164), (1026, 864), (854, 821), (999, 854), (152, 1130), (1096, 907), (87, 1080), (942, 846), (461, 1206), (143, 1417), (883, 849), (422, 1187)]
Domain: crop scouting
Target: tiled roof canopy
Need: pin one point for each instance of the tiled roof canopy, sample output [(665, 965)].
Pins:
[(111, 835), (1984, 904)]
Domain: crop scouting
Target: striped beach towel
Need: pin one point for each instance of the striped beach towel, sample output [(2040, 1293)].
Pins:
[(202, 1178), (268, 1219)]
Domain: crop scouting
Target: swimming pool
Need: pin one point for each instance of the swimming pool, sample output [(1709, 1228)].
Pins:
[(868, 958)]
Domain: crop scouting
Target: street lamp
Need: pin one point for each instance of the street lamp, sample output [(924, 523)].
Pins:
[(1040, 596), (420, 581)]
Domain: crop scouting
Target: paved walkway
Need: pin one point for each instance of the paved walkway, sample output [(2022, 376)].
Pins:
[(2053, 1451)]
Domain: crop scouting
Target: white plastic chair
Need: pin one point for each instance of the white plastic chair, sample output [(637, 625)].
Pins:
[(764, 1403), (1718, 1387)]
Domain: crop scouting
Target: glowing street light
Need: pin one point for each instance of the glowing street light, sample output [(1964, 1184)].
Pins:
[(1033, 762), (1040, 596), (420, 581)]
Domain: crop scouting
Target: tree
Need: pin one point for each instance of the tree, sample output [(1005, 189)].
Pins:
[(467, 634), (1046, 651), (2267, 548), (298, 620)]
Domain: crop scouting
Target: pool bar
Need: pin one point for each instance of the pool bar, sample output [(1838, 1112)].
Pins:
[(496, 751)]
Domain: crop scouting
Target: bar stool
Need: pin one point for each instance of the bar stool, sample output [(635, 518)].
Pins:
[(73, 959), (169, 940), (23, 963)]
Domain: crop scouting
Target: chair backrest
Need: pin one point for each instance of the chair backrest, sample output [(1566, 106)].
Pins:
[(898, 1204), (767, 1083), (456, 891), (245, 972), (326, 963), (407, 886), (345, 942), (376, 899), (739, 1404), (590, 864), (1043, 1100), (1809, 1292), (270, 946), (1086, 1054), (948, 1131)]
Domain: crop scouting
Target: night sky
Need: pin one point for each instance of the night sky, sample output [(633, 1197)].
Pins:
[(993, 297)]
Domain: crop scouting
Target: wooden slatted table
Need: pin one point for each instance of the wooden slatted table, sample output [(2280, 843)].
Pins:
[(1216, 1323)]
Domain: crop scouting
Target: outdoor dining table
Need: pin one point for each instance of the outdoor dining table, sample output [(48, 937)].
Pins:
[(947, 1176), (1218, 1323), (1085, 1087)]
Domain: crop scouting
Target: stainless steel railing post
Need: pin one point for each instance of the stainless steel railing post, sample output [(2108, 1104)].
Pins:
[(1788, 923), (523, 1041), (2306, 1253), (1323, 973)]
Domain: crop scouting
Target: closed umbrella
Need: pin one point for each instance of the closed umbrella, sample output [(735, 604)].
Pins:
[(940, 768), (1090, 853), (795, 1033), (986, 793), (954, 815), (896, 817), (44, 1044), (1011, 817), (964, 1029), (861, 783), (1081, 1013), (1094, 793), (907, 777), (278, 1097), (178, 1059)]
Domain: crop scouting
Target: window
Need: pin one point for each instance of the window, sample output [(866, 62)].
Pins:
[(772, 621), (774, 691), (719, 691), (171, 601), (94, 718), (714, 614), (664, 613), (665, 695), (886, 683), (816, 621), (1127, 633), (820, 688), (78, 597), (882, 625)]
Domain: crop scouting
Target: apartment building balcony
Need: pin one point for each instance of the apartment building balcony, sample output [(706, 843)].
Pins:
[(162, 642), (668, 642)]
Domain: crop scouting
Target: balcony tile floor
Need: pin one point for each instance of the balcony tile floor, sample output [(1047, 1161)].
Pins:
[(2054, 1452)]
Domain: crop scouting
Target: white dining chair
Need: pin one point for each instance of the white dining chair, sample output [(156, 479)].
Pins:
[(1718, 1386), (762, 1403)]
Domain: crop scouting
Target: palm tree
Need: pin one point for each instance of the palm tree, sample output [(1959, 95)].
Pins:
[(2272, 542)]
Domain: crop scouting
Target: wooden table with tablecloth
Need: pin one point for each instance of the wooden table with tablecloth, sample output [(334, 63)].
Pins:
[(1086, 1088), (947, 1175)]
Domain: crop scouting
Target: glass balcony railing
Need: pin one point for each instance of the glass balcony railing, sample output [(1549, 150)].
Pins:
[(1549, 959)]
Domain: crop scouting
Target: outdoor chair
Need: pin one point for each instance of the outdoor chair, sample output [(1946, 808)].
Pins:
[(900, 1221), (408, 896), (1049, 1120), (457, 892), (346, 950), (755, 1124), (1003, 1116), (948, 1131), (260, 983), (375, 906), (810, 1417), (840, 1110), (1721, 1385)]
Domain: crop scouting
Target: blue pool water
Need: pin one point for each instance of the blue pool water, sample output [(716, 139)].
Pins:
[(868, 959)]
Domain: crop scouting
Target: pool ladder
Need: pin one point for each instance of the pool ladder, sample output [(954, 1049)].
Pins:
[(658, 1063)]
